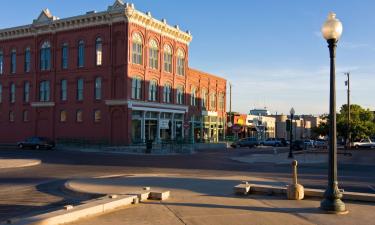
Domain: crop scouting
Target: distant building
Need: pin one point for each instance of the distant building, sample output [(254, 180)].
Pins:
[(259, 112)]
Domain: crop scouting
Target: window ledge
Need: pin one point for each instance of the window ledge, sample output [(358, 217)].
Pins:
[(43, 104)]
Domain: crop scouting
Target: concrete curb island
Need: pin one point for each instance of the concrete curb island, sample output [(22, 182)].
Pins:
[(18, 163)]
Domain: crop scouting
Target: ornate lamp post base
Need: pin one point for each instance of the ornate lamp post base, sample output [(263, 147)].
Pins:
[(332, 202)]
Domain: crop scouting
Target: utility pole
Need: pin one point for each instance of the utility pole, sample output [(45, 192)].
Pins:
[(347, 83), (230, 105)]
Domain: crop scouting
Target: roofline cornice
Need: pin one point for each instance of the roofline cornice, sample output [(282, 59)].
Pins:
[(127, 13)]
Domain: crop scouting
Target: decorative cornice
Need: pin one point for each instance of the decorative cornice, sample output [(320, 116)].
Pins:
[(47, 23)]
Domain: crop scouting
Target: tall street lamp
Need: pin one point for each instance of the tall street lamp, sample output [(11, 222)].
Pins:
[(292, 112), (331, 31)]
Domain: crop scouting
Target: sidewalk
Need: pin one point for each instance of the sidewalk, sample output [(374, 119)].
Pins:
[(17, 163), (210, 200)]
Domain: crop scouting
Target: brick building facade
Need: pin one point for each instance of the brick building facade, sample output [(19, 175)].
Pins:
[(119, 76)]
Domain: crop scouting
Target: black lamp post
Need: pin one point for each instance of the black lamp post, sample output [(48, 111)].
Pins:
[(331, 31), (292, 112)]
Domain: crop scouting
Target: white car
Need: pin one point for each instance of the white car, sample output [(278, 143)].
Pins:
[(364, 143)]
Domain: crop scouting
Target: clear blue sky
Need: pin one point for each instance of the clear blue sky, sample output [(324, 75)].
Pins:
[(271, 51)]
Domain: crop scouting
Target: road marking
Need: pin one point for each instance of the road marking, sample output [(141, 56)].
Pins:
[(371, 187)]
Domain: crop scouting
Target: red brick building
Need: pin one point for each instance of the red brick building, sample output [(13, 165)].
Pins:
[(119, 76)]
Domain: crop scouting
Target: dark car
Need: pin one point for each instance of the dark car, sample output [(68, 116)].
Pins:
[(298, 145), (246, 142), (36, 143)]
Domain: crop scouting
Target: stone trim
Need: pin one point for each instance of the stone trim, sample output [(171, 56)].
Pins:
[(42, 104)]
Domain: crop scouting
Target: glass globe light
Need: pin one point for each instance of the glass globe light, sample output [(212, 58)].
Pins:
[(332, 28)]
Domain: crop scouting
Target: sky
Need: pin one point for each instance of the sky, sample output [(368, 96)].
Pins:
[(271, 51)]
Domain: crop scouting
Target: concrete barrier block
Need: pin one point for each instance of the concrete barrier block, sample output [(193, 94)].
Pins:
[(162, 195), (241, 189), (119, 202)]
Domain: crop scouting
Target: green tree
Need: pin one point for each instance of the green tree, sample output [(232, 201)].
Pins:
[(362, 123)]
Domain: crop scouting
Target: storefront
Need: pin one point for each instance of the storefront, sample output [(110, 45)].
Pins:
[(212, 127), (156, 122)]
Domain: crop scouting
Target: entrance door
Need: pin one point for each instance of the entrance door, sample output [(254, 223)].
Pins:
[(150, 128)]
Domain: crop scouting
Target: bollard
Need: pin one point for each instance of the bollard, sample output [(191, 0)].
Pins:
[(295, 191)]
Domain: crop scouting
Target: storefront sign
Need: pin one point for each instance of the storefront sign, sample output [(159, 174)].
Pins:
[(164, 124)]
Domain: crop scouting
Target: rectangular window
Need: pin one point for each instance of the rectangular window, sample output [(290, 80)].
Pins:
[(25, 116), (154, 53), (181, 66), (12, 93), (80, 89), (44, 91), (137, 53), (99, 51), (98, 88), (64, 56), (79, 116), (63, 116), (1, 93), (27, 60), (168, 62), (64, 90), (26, 92), (1, 63), (13, 61), (97, 116), (81, 54), (45, 57)]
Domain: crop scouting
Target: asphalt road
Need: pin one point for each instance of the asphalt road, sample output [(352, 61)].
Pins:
[(36, 189)]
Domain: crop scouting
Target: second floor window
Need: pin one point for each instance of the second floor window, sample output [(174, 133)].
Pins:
[(80, 89), (13, 61), (180, 95), (153, 91), (180, 62), (45, 56), (154, 55), (98, 88), (168, 59), (44, 91), (12, 93), (1, 93), (99, 51), (167, 98), (1, 62), (213, 102), (204, 99), (221, 101), (27, 60), (136, 88), (137, 49), (193, 99), (64, 56), (64, 90), (81, 54), (26, 91)]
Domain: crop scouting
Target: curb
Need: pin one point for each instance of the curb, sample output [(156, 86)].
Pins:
[(309, 192)]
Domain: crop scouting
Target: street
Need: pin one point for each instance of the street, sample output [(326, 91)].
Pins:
[(38, 188)]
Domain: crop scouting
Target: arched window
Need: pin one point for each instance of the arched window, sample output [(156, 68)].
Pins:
[(12, 93), (25, 116), (213, 101), (99, 51), (27, 60), (13, 61), (137, 88), (153, 90), (45, 56), (79, 116), (26, 91), (180, 95), (167, 58), (44, 91), (180, 62), (137, 49), (1, 62), (154, 54), (98, 88), (80, 89), (97, 116), (63, 116), (221, 101), (204, 99), (193, 97), (81, 53), (11, 116), (167, 98), (64, 56)]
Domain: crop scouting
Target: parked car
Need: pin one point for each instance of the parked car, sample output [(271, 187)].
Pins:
[(309, 143), (36, 143), (364, 143), (246, 142), (298, 145), (321, 143), (284, 142), (272, 142)]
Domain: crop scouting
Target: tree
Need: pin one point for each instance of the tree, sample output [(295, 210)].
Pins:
[(361, 123)]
